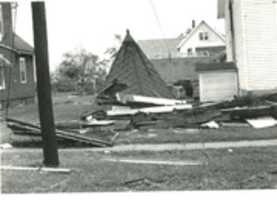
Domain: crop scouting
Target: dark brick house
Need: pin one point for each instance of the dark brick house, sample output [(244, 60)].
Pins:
[(17, 77)]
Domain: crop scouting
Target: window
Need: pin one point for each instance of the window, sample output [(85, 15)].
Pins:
[(2, 78), (22, 70), (206, 53), (203, 36), (189, 51)]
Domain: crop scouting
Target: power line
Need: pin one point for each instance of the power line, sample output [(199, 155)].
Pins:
[(151, 2)]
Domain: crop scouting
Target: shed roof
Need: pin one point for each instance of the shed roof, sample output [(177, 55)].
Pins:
[(216, 66), (132, 67)]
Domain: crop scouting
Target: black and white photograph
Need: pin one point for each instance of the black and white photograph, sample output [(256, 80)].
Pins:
[(140, 96)]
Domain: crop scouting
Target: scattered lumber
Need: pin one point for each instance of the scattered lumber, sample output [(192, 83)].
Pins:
[(143, 101), (250, 112), (81, 124), (211, 125), (43, 169), (234, 124), (262, 122), (62, 134), (149, 110)]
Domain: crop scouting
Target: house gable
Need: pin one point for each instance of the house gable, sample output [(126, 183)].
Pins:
[(209, 38)]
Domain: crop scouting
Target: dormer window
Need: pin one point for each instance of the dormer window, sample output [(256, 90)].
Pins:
[(203, 36)]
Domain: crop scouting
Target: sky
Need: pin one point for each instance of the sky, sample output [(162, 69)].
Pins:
[(92, 24)]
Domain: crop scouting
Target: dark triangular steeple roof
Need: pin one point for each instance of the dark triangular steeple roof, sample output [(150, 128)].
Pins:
[(132, 67)]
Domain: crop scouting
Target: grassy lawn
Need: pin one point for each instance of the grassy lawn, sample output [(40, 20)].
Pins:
[(65, 106), (245, 168), (195, 135)]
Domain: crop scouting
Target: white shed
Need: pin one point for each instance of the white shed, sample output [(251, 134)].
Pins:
[(217, 81)]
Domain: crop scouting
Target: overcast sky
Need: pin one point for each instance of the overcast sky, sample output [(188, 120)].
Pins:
[(91, 24)]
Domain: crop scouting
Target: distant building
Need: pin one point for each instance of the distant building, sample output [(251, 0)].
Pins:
[(197, 41), (251, 42), (17, 76), (176, 58)]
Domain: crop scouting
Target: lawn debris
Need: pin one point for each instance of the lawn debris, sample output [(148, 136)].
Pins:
[(144, 101), (140, 182), (234, 124), (65, 135), (6, 146), (40, 169), (211, 125), (155, 162), (250, 112), (262, 122)]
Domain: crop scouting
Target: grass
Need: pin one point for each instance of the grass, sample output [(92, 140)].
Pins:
[(195, 135), (65, 107), (245, 168)]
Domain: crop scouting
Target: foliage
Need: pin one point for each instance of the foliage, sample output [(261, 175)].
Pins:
[(80, 71), (112, 51)]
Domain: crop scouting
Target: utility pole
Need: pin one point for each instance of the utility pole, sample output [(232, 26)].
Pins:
[(50, 151)]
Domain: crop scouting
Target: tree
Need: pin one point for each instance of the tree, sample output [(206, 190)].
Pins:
[(112, 51), (80, 71)]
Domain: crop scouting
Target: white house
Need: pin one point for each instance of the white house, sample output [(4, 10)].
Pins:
[(251, 41), (200, 40)]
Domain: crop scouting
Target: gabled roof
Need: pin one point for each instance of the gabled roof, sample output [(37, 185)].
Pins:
[(202, 23), (160, 48), (132, 67), (21, 45)]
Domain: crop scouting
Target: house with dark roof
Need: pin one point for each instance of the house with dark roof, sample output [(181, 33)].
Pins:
[(17, 71)]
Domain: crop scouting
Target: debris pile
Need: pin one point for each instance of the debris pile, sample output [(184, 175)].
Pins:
[(81, 136), (135, 96)]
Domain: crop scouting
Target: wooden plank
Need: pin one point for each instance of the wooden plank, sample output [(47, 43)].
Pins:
[(44, 169), (153, 110), (150, 100), (262, 122), (65, 134)]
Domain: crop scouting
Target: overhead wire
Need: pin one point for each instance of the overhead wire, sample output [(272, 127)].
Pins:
[(158, 21)]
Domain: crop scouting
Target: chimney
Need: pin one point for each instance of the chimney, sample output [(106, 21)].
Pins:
[(193, 24), (6, 23)]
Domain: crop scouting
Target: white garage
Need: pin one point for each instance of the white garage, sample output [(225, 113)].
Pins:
[(217, 81)]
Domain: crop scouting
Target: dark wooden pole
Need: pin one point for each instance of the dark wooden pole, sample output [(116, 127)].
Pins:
[(50, 151)]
